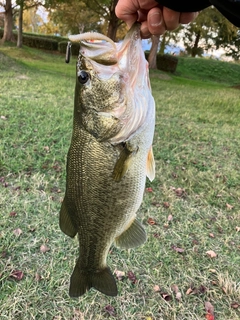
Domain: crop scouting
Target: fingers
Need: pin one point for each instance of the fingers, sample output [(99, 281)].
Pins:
[(127, 12)]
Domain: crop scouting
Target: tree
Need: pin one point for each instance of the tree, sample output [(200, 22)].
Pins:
[(20, 24), (8, 20), (210, 30), (74, 16), (152, 58)]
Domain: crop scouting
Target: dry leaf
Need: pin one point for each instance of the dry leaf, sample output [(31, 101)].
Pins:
[(13, 214), (17, 232), (37, 277), (170, 217), (156, 288), (211, 235), (119, 274), (229, 206), (179, 250), (44, 248), (166, 296), (235, 305), (17, 275), (209, 308), (149, 189), (189, 290), (151, 221), (209, 316), (166, 205), (178, 296), (174, 288), (211, 254), (132, 277), (237, 229), (110, 310)]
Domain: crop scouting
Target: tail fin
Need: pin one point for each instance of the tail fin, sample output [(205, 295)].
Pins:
[(81, 281)]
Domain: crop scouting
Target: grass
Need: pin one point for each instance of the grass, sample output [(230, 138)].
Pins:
[(194, 202)]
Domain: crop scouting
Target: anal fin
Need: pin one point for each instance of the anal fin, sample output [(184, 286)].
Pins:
[(134, 236), (102, 280), (65, 222)]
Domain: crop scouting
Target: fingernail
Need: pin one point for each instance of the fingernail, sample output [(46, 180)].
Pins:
[(155, 19)]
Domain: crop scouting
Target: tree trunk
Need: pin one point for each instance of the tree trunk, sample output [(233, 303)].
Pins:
[(195, 47), (20, 26), (163, 44), (8, 22), (113, 21), (152, 58)]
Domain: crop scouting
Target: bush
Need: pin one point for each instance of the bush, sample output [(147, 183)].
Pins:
[(74, 48), (40, 43), (165, 62)]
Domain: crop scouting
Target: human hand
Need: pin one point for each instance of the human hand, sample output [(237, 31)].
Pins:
[(155, 19)]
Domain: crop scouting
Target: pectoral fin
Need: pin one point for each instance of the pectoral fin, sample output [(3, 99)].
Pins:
[(150, 165), (124, 162), (65, 222), (134, 236)]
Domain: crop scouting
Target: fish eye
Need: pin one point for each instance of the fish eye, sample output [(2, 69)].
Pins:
[(83, 77)]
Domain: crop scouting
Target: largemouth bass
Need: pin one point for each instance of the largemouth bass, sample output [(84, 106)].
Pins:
[(110, 155)]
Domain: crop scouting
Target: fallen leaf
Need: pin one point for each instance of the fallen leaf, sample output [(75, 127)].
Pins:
[(17, 275), (119, 274), (189, 290), (166, 296), (78, 315), (170, 217), (237, 229), (174, 288), (179, 250), (3, 118), (151, 221), (46, 148), (132, 277), (149, 189), (156, 288), (38, 277), (44, 248), (209, 316), (235, 305), (17, 232), (210, 310), (211, 235), (166, 205), (178, 296), (229, 206), (211, 254), (110, 310), (13, 214)]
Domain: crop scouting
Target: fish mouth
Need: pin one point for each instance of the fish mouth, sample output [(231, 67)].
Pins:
[(103, 50)]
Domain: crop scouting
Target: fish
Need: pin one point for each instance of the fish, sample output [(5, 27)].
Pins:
[(110, 155)]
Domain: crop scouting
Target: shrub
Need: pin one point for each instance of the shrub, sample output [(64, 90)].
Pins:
[(40, 43), (165, 62)]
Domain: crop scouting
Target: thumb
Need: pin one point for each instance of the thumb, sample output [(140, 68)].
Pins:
[(127, 12)]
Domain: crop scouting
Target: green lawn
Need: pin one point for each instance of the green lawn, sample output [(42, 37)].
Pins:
[(191, 208)]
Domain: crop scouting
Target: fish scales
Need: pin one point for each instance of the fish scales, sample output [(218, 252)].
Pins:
[(107, 166)]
